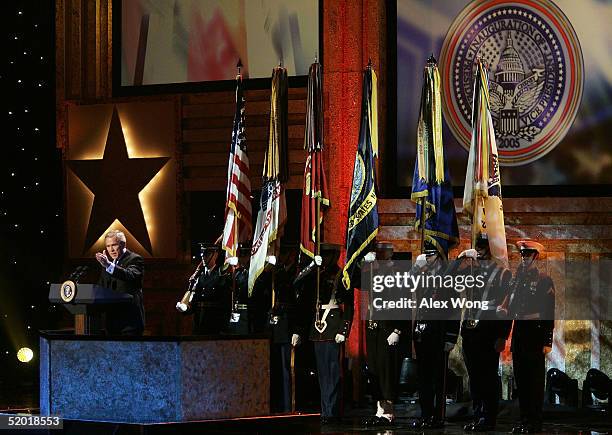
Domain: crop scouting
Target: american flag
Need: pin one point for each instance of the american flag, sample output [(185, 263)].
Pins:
[(238, 226)]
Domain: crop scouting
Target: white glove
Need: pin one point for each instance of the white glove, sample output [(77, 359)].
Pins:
[(232, 261), (370, 257), (181, 307), (340, 338), (295, 340), (318, 260), (393, 339), (271, 259), (501, 311), (421, 260), (469, 253), (448, 347)]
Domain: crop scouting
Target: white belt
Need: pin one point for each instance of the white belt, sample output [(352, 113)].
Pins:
[(329, 306)]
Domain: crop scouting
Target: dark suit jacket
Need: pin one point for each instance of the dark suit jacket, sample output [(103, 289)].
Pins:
[(126, 278)]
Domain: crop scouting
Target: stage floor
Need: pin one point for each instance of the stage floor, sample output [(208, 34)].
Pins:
[(559, 420)]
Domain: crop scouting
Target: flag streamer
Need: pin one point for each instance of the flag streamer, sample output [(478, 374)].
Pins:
[(431, 185), (482, 198), (272, 213), (314, 188)]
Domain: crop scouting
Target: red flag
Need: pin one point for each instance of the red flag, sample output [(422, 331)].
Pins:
[(315, 186)]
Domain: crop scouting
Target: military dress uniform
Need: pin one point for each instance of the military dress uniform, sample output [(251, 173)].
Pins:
[(211, 302), (283, 323), (532, 305), (383, 358), (335, 313), (240, 322), (384, 361), (480, 330), (434, 333)]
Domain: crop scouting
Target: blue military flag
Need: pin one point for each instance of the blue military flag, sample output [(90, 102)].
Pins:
[(363, 211), (431, 185)]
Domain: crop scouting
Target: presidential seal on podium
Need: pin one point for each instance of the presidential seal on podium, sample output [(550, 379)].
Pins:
[(68, 291)]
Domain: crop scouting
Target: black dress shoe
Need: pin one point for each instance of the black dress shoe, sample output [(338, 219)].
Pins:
[(521, 428), (383, 421), (434, 424), (469, 427), (483, 426), (325, 420), (518, 428), (417, 424), (428, 423), (369, 421), (527, 428)]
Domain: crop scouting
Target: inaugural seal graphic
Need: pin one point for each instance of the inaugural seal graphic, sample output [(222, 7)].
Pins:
[(536, 74)]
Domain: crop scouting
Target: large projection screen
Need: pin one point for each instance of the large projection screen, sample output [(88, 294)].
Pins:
[(186, 41)]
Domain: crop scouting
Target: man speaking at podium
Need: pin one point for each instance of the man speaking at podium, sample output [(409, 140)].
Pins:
[(122, 273)]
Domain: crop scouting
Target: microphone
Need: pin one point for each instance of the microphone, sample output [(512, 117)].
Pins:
[(74, 273), (82, 272), (78, 273)]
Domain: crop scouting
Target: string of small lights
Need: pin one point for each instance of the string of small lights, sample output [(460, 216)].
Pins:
[(31, 251)]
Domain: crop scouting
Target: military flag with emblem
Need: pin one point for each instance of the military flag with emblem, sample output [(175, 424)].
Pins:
[(273, 211), (363, 211), (431, 185), (482, 198)]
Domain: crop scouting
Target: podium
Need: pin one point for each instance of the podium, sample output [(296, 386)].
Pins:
[(88, 303)]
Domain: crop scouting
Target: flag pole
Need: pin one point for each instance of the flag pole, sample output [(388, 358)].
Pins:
[(234, 271), (292, 365), (318, 236), (431, 62), (422, 223), (273, 291), (237, 220)]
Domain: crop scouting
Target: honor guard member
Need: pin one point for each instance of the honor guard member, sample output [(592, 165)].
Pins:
[(382, 350), (434, 337), (211, 302), (330, 314), (532, 305), (484, 334), (239, 319), (282, 321)]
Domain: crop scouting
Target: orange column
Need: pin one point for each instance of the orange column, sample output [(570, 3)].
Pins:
[(354, 31)]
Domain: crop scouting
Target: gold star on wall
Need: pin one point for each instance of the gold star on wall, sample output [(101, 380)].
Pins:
[(115, 181)]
